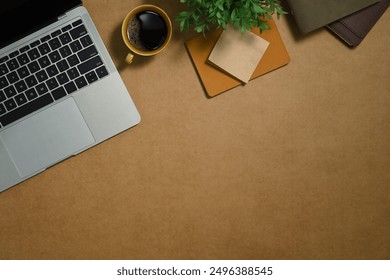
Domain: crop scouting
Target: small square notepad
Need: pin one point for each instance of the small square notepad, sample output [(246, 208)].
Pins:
[(237, 53)]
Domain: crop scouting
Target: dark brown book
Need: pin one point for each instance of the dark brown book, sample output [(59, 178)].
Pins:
[(353, 28)]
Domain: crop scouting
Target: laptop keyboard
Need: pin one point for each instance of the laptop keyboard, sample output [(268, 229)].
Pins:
[(47, 70)]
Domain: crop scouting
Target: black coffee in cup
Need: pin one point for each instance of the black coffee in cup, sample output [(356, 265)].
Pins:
[(147, 30)]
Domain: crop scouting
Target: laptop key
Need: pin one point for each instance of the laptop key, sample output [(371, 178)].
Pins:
[(56, 33), (41, 76), (12, 64), (20, 86), (70, 87), (62, 65), (10, 104), (23, 59), (10, 91), (20, 99), (73, 73), (58, 93), (77, 22), (26, 109), (65, 51), (90, 65), (54, 56), (87, 53), (33, 53), (52, 83), (81, 82), (24, 49), (62, 78), (75, 46), (12, 77), (66, 28), (86, 41), (44, 61), (78, 32), (31, 94), (35, 43), (46, 38), (73, 60), (33, 67), (54, 43), (101, 71), (52, 70), (41, 89), (31, 81), (23, 72), (44, 49), (65, 38), (91, 77), (13, 54)]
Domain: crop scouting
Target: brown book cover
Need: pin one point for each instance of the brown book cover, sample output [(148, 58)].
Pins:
[(216, 81), (353, 28)]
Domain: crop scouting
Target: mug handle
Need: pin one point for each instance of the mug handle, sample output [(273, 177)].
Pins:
[(129, 58)]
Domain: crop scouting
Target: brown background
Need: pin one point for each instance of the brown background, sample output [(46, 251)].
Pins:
[(293, 165)]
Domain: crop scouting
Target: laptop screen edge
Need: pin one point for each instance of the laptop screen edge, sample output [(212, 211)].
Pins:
[(19, 18)]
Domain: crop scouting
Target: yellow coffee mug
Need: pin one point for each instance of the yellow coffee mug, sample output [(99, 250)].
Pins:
[(133, 50)]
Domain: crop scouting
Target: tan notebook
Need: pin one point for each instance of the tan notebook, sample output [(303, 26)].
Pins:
[(237, 53), (215, 81)]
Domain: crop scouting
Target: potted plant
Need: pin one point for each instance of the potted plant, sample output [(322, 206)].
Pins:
[(242, 14)]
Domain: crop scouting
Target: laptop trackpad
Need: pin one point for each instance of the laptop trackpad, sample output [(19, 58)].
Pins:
[(47, 137)]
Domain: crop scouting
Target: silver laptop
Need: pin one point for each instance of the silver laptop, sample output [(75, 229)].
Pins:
[(60, 92)]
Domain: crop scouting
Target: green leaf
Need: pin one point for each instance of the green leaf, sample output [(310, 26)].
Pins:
[(243, 14)]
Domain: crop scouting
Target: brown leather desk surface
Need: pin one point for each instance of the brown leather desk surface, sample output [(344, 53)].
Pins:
[(293, 165)]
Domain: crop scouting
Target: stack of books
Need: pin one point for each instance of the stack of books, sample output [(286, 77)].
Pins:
[(225, 59), (349, 20)]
